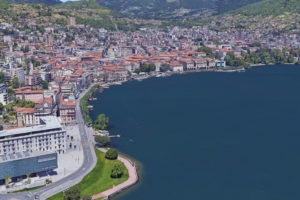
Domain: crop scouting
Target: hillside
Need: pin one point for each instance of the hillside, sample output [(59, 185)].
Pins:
[(47, 2), (172, 9), (85, 12), (269, 7)]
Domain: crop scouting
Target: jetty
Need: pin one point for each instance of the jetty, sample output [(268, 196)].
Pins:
[(114, 136)]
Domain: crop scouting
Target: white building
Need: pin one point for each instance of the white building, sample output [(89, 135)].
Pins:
[(19, 73), (49, 136)]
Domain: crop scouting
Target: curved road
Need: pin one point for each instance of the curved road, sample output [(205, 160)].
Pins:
[(89, 162)]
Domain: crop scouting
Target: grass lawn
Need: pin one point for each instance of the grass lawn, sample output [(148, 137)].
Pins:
[(29, 189), (98, 180)]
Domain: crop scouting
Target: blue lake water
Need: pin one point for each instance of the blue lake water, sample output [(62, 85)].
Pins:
[(211, 136)]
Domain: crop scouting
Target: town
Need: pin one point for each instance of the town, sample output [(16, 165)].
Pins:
[(46, 68)]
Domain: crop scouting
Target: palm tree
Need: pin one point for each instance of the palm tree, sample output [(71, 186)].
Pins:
[(7, 180), (28, 178)]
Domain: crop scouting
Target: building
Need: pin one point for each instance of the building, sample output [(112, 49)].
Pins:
[(25, 117), (67, 110), (30, 95), (19, 164), (71, 21), (176, 66), (50, 136), (19, 73), (2, 88), (220, 64), (33, 79), (3, 98)]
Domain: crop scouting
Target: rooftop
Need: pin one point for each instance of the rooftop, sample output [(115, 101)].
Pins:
[(48, 122), (21, 155)]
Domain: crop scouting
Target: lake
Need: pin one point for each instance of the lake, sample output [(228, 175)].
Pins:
[(210, 136)]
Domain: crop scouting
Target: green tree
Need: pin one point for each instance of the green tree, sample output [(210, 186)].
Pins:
[(117, 171), (206, 50), (102, 140), (15, 82), (164, 67), (72, 194), (2, 77), (7, 180), (28, 178), (137, 71), (291, 59), (144, 67), (152, 67), (255, 44), (26, 49), (1, 107), (45, 84), (111, 154), (101, 122)]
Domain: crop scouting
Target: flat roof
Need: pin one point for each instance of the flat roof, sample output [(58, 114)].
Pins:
[(22, 155), (49, 122)]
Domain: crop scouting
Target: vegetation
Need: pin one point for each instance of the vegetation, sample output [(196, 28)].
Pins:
[(48, 2), (7, 179), (146, 68), (117, 171), (2, 77), (99, 179), (15, 82), (72, 194), (164, 67), (45, 84), (267, 56), (269, 8), (168, 9), (19, 103), (29, 189), (84, 105), (111, 154), (101, 122), (103, 141), (206, 50)]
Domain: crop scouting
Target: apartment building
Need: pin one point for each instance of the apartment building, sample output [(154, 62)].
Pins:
[(50, 135)]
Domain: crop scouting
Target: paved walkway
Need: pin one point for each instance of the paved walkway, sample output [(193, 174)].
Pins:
[(132, 179)]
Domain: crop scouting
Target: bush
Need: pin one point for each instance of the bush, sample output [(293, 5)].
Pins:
[(111, 154), (102, 140), (117, 171), (72, 194)]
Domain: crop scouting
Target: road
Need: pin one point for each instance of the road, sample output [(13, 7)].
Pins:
[(89, 162)]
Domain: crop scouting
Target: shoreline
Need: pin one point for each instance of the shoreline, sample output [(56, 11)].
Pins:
[(130, 163), (133, 179)]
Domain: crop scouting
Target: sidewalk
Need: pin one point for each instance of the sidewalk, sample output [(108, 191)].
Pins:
[(132, 179)]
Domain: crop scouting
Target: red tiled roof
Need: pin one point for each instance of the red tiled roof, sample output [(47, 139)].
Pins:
[(24, 110), (30, 92)]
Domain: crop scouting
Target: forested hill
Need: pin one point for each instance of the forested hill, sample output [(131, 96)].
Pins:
[(47, 2), (269, 7), (167, 9)]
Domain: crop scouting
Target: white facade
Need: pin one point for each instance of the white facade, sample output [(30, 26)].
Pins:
[(50, 136), (3, 98), (19, 73)]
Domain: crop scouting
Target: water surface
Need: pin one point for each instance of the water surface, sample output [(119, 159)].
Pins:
[(211, 136)]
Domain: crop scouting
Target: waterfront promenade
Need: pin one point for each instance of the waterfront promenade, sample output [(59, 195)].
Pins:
[(132, 179)]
